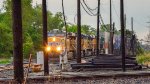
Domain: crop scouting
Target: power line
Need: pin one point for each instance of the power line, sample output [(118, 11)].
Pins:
[(115, 10), (93, 9), (89, 12), (102, 21), (86, 10)]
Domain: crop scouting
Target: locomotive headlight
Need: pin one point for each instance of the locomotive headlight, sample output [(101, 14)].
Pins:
[(54, 39), (58, 48), (48, 48)]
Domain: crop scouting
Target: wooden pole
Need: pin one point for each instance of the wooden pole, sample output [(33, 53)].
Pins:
[(133, 37), (17, 39), (44, 10), (78, 49), (98, 20), (132, 25), (111, 31), (122, 34)]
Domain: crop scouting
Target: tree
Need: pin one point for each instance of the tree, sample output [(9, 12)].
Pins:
[(32, 27), (5, 41), (85, 29), (72, 28), (55, 22), (6, 38), (106, 28)]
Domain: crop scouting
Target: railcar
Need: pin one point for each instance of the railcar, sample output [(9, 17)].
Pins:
[(56, 44)]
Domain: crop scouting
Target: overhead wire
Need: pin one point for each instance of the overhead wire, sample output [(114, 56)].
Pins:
[(89, 12), (92, 14), (89, 9), (102, 21), (93, 9), (115, 10)]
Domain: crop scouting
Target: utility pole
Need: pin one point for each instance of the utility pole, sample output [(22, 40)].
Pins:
[(133, 37), (78, 49), (122, 34), (17, 40), (125, 25), (113, 35), (98, 21), (132, 25), (125, 21), (111, 31), (44, 11), (125, 35)]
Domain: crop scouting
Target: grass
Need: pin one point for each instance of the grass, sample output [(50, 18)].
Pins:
[(143, 58), (4, 61)]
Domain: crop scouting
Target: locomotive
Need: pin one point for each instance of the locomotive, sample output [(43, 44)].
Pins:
[(56, 44)]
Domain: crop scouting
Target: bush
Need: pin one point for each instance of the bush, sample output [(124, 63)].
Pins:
[(28, 47), (143, 58), (4, 61)]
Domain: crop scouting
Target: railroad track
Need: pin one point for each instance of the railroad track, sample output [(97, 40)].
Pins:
[(107, 77)]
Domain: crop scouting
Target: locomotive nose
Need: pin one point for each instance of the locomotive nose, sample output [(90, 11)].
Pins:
[(56, 49)]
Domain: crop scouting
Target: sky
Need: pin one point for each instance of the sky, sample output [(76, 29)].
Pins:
[(138, 9)]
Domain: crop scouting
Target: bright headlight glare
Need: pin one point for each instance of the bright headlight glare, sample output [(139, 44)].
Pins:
[(48, 48), (58, 48), (54, 38)]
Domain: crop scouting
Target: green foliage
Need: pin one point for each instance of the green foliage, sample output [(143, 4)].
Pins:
[(28, 46), (5, 61), (85, 29), (139, 49), (32, 27), (72, 28), (55, 22), (5, 41), (143, 58), (106, 28)]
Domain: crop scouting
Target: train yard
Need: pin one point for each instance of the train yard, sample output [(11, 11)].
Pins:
[(90, 75), (72, 57)]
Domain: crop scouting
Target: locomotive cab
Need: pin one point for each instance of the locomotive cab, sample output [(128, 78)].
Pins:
[(56, 44)]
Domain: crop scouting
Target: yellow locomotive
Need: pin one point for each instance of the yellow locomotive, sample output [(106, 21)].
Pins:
[(56, 44)]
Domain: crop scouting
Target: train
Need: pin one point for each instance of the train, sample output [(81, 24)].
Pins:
[(57, 38)]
